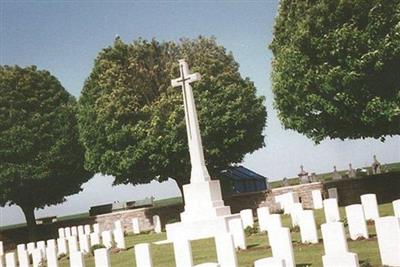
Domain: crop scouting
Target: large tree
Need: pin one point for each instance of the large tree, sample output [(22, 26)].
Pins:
[(41, 159), (132, 121), (336, 68)]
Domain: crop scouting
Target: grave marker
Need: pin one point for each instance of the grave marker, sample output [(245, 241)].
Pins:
[(72, 244), (76, 259), (37, 257), (356, 221), (11, 260), (157, 224), (331, 210), (269, 262), (84, 244), (119, 238), (183, 253), (96, 228), (94, 239), (23, 257), (102, 258), (308, 227), (370, 206), (106, 236), (136, 226), (81, 230), (51, 253), (262, 215), (87, 229), (247, 218), (226, 252), (280, 241), (388, 234), (236, 229), (143, 255), (317, 199), (62, 246)]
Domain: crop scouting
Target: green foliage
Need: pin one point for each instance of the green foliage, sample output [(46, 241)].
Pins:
[(132, 120), (41, 159), (336, 68), (248, 231)]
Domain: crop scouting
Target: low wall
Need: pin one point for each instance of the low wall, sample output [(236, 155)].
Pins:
[(386, 186), (254, 200)]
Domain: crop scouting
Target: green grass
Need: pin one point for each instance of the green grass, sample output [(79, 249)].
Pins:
[(258, 247)]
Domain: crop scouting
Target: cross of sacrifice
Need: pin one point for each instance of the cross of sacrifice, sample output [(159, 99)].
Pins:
[(199, 171)]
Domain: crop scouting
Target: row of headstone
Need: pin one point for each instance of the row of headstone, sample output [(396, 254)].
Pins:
[(78, 230)]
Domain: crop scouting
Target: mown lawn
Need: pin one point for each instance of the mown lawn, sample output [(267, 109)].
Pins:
[(204, 250)]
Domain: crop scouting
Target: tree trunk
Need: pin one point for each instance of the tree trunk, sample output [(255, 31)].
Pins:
[(29, 213)]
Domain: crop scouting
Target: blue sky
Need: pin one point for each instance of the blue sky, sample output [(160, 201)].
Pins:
[(65, 37)]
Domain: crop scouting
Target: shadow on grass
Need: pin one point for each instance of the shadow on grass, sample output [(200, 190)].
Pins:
[(303, 264)]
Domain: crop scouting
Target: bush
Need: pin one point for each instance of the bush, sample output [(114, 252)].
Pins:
[(250, 230)]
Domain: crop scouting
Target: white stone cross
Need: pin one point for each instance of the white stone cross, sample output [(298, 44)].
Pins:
[(199, 171)]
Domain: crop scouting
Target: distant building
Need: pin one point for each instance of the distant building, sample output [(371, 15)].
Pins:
[(239, 179)]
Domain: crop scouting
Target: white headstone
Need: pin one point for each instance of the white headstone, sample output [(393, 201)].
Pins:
[(84, 244), (356, 221), (96, 228), (87, 229), (333, 193), (30, 247), (11, 259), (1, 248), (135, 226), (23, 257), (94, 239), (74, 231), (106, 236), (370, 206), (62, 246), (183, 253), (396, 208), (51, 242), (334, 238), (61, 232), (317, 199), (42, 246), (269, 262), (207, 264), (308, 227), (118, 225), (67, 231), (247, 218), (143, 255), (388, 234), (81, 230), (20, 248), (37, 257), (286, 201), (262, 215), (331, 210), (119, 238), (347, 259), (76, 259), (295, 211), (72, 244), (274, 221), (51, 253), (102, 258), (157, 224), (280, 241), (226, 251), (236, 229), (335, 245)]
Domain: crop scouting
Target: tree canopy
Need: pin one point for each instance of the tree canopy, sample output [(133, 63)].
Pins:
[(41, 159), (132, 121), (336, 68)]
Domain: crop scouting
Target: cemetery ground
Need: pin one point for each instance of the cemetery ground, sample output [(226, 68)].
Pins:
[(204, 250)]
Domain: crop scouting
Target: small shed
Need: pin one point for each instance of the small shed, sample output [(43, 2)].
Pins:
[(238, 179)]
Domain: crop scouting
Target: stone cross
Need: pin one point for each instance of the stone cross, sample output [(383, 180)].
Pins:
[(199, 171)]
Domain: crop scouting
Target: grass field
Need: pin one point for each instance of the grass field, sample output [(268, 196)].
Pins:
[(204, 250)]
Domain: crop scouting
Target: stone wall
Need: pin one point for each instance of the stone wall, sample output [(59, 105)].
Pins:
[(386, 186), (254, 200)]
